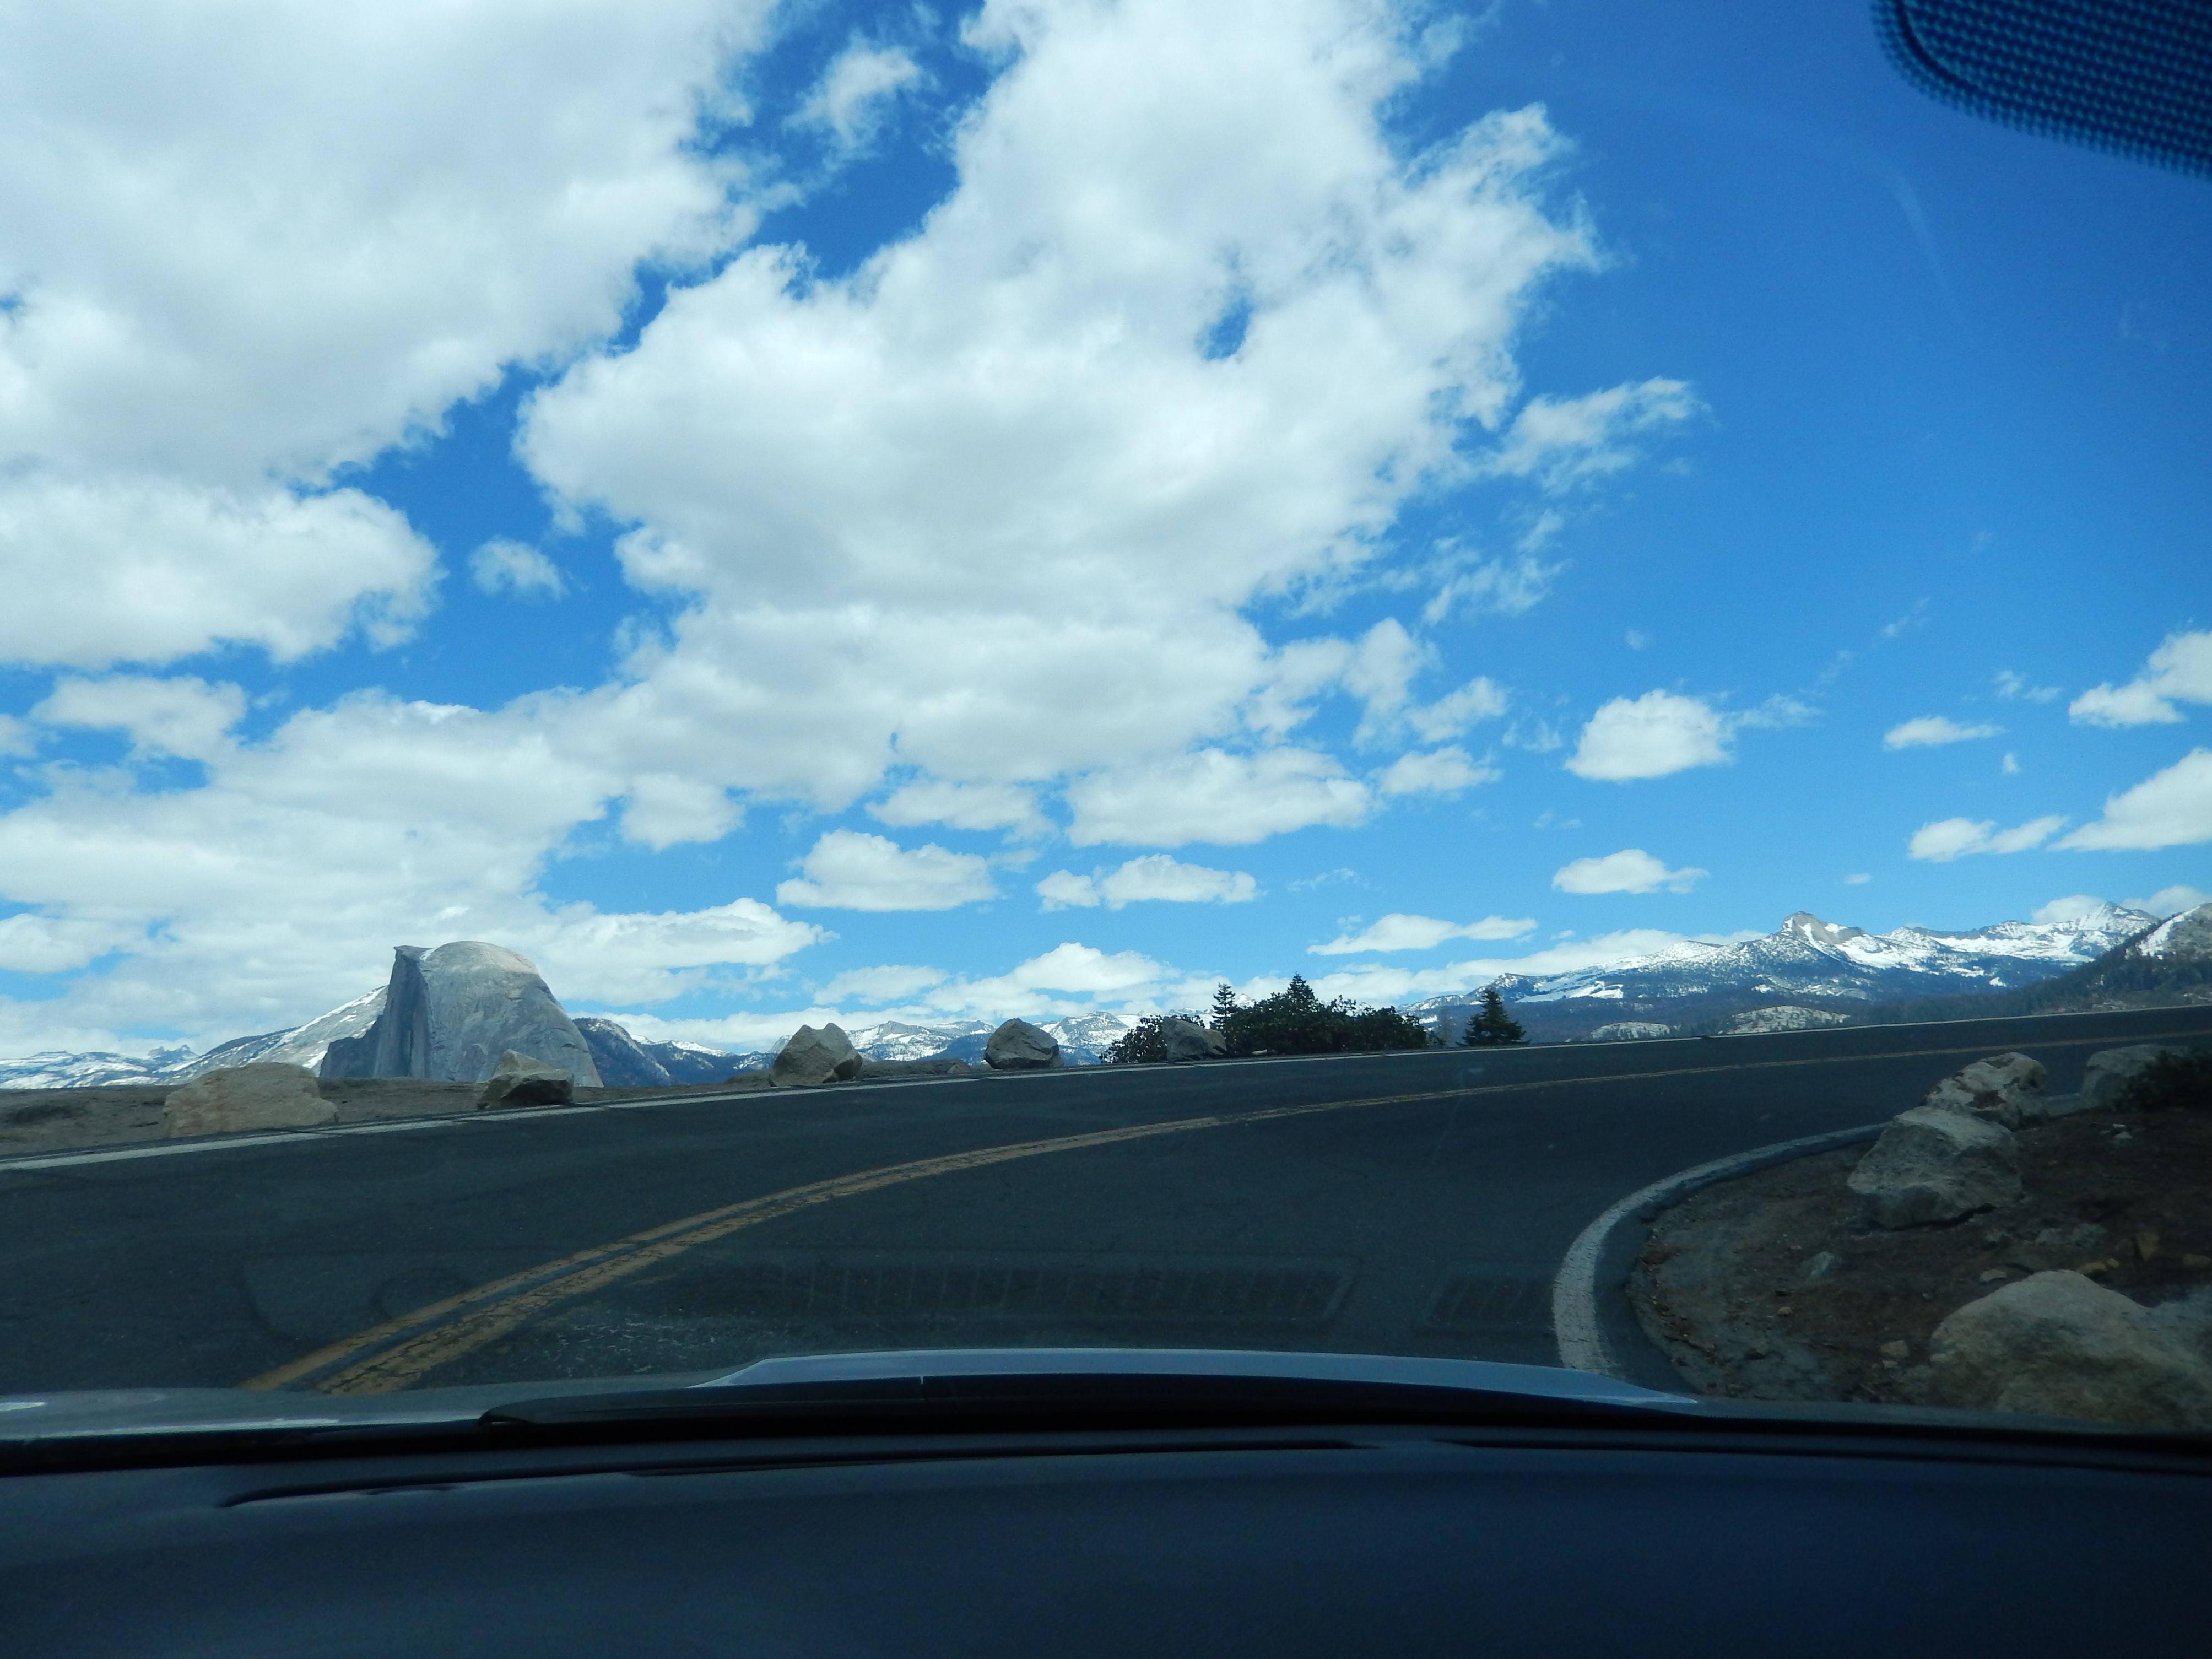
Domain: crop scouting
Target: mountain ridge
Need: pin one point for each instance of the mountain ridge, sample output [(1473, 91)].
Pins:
[(1821, 971)]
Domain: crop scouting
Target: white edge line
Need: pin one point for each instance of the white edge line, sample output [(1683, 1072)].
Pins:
[(1575, 1325)]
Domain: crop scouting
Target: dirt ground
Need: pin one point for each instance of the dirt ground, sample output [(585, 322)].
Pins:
[(1732, 1286)]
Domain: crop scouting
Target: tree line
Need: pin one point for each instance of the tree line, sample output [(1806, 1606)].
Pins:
[(1296, 1021)]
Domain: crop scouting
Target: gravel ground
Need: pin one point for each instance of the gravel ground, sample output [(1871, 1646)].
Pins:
[(1733, 1287)]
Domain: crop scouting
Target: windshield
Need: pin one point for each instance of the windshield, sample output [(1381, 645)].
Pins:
[(705, 681)]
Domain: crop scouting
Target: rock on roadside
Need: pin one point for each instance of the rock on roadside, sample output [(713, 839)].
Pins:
[(1018, 1046), (1186, 1039), (2058, 1345), (521, 1079), (269, 1095), (813, 1057), (2110, 1071), (2004, 1087), (1931, 1165)]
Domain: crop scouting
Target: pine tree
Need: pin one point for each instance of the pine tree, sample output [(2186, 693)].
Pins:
[(1225, 1005), (1490, 1023)]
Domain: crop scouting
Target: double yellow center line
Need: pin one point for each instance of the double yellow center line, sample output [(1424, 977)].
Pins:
[(401, 1352)]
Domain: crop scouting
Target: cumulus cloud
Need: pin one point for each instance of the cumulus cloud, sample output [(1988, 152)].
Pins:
[(1480, 699), (147, 569), (1231, 800), (1632, 870), (1381, 983), (2074, 907), (888, 983), (513, 568), (961, 806), (664, 809), (1931, 731), (2170, 901), (248, 246), (1950, 838), (181, 716), (1650, 737), (1154, 878), (1439, 772), (850, 100), (850, 870), (876, 495), (277, 888), (2171, 808), (1399, 932), (1565, 441), (2180, 670)]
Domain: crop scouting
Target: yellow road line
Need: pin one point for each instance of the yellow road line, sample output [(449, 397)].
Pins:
[(401, 1352)]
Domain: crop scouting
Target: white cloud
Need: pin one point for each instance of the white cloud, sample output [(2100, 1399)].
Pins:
[(2180, 670), (2170, 901), (1499, 586), (849, 101), (1564, 441), (2010, 765), (1439, 772), (501, 566), (2075, 906), (1154, 878), (1213, 796), (2014, 686), (1632, 870), (986, 508), (2173, 808), (277, 888), (1451, 714), (248, 245), (961, 806), (849, 870), (665, 810), (1857, 879), (1949, 838), (1399, 932), (1636, 639), (1650, 737), (148, 569), (1930, 731), (180, 716), (1380, 983), (888, 983)]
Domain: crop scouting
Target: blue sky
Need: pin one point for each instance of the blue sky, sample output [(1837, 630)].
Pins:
[(935, 512)]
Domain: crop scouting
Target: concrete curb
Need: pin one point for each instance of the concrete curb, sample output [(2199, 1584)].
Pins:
[(1576, 1323)]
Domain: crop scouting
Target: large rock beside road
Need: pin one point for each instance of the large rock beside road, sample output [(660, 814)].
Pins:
[(266, 1096), (1186, 1039), (2110, 1071), (2004, 1087), (1018, 1046), (1931, 1165), (2058, 1344), (450, 1013), (521, 1079), (814, 1056)]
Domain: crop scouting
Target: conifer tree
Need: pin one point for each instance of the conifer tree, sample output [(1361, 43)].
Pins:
[(1491, 1024), (1224, 1005)]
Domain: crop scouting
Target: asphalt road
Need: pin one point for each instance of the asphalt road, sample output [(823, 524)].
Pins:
[(1409, 1203)]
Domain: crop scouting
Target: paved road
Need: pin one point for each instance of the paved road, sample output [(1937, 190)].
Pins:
[(1412, 1203)]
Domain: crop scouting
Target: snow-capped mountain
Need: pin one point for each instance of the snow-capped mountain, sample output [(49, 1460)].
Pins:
[(1807, 972), (1805, 962)]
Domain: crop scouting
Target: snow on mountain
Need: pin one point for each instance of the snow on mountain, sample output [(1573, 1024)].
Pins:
[(2185, 938), (1805, 961)]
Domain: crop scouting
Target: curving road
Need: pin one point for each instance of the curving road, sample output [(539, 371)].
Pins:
[(1408, 1203)]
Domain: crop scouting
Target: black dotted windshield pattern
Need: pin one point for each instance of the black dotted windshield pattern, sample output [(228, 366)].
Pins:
[(2132, 75)]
